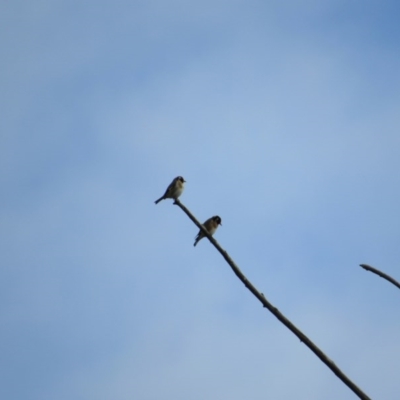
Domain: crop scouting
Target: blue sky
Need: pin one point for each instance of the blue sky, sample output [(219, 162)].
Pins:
[(284, 120)]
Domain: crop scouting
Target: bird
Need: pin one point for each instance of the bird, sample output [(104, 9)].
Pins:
[(211, 225), (174, 190)]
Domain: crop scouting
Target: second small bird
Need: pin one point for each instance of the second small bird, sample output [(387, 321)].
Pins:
[(211, 225)]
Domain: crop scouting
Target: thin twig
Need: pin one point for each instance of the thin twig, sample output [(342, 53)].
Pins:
[(381, 274), (303, 338)]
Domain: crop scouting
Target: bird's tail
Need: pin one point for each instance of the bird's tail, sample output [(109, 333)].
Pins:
[(157, 201), (197, 239)]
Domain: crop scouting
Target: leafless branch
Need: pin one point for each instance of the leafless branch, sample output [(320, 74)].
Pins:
[(381, 274), (260, 296)]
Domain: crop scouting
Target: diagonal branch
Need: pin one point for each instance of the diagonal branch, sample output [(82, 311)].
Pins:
[(260, 296), (381, 274)]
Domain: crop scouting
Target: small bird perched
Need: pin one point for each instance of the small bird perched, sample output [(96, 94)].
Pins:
[(174, 190), (211, 225)]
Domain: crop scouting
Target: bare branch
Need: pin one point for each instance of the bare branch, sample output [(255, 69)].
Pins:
[(381, 274), (260, 296)]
